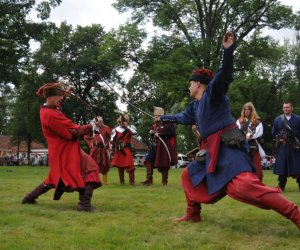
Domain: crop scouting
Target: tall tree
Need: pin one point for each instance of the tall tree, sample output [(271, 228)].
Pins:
[(25, 121), (191, 36), (268, 82), (16, 32), (6, 102), (201, 24), (86, 57), (297, 28)]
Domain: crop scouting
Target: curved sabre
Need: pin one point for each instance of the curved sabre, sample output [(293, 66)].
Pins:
[(102, 139), (165, 147)]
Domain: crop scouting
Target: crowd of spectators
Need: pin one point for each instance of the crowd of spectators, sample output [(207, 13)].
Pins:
[(35, 160)]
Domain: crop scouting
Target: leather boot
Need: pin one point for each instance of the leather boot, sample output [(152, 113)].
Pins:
[(105, 179), (85, 197), (121, 175), (149, 172), (165, 175), (192, 211), (298, 181), (131, 178), (282, 181), (283, 206), (30, 198)]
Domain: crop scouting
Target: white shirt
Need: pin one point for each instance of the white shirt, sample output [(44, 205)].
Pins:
[(259, 131), (288, 117)]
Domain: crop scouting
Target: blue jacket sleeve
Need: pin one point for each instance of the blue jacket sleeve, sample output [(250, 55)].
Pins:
[(186, 117), (218, 87)]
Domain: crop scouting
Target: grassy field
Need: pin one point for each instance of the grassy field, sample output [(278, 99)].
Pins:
[(136, 217)]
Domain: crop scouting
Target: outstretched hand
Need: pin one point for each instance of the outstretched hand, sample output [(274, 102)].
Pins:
[(228, 39)]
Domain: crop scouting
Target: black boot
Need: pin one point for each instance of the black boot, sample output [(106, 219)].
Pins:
[(121, 175), (131, 178), (165, 175), (30, 198), (298, 181), (282, 181), (85, 197)]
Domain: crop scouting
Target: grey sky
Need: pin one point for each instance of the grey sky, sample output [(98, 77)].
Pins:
[(86, 12)]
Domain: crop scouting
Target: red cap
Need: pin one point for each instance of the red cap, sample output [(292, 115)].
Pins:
[(202, 75)]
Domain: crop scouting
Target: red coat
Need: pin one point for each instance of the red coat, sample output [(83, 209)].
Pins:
[(98, 151), (66, 159), (122, 158), (167, 132)]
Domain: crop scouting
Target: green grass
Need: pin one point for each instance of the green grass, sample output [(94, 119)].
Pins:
[(136, 217)]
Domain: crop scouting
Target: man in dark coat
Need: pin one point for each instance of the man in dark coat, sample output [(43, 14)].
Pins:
[(228, 169), (286, 129), (71, 169), (163, 153)]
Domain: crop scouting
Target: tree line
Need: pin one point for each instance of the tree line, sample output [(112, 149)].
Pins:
[(188, 36)]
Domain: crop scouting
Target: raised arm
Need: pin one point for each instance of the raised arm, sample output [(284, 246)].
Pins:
[(224, 75)]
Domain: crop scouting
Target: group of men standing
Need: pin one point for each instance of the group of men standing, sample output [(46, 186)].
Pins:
[(226, 170), (106, 143)]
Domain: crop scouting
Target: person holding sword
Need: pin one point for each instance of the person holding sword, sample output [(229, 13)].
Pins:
[(98, 143), (228, 169)]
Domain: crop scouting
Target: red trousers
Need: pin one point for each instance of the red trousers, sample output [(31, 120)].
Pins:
[(245, 187), (256, 161)]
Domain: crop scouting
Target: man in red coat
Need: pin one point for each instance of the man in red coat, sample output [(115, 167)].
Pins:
[(163, 154), (121, 145), (99, 146), (70, 168)]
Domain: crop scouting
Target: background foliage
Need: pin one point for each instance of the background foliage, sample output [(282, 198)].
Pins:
[(188, 36)]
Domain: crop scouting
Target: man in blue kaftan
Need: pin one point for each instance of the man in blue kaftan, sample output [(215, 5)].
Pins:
[(286, 130), (228, 169)]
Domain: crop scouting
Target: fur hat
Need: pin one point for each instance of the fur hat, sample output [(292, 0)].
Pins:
[(159, 111), (51, 89)]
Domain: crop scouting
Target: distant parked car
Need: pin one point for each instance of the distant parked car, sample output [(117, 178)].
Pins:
[(183, 161), (139, 159)]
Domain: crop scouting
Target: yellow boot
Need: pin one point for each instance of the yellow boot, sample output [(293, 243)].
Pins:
[(105, 179)]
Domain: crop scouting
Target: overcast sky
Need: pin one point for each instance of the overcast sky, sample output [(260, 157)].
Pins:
[(86, 12)]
